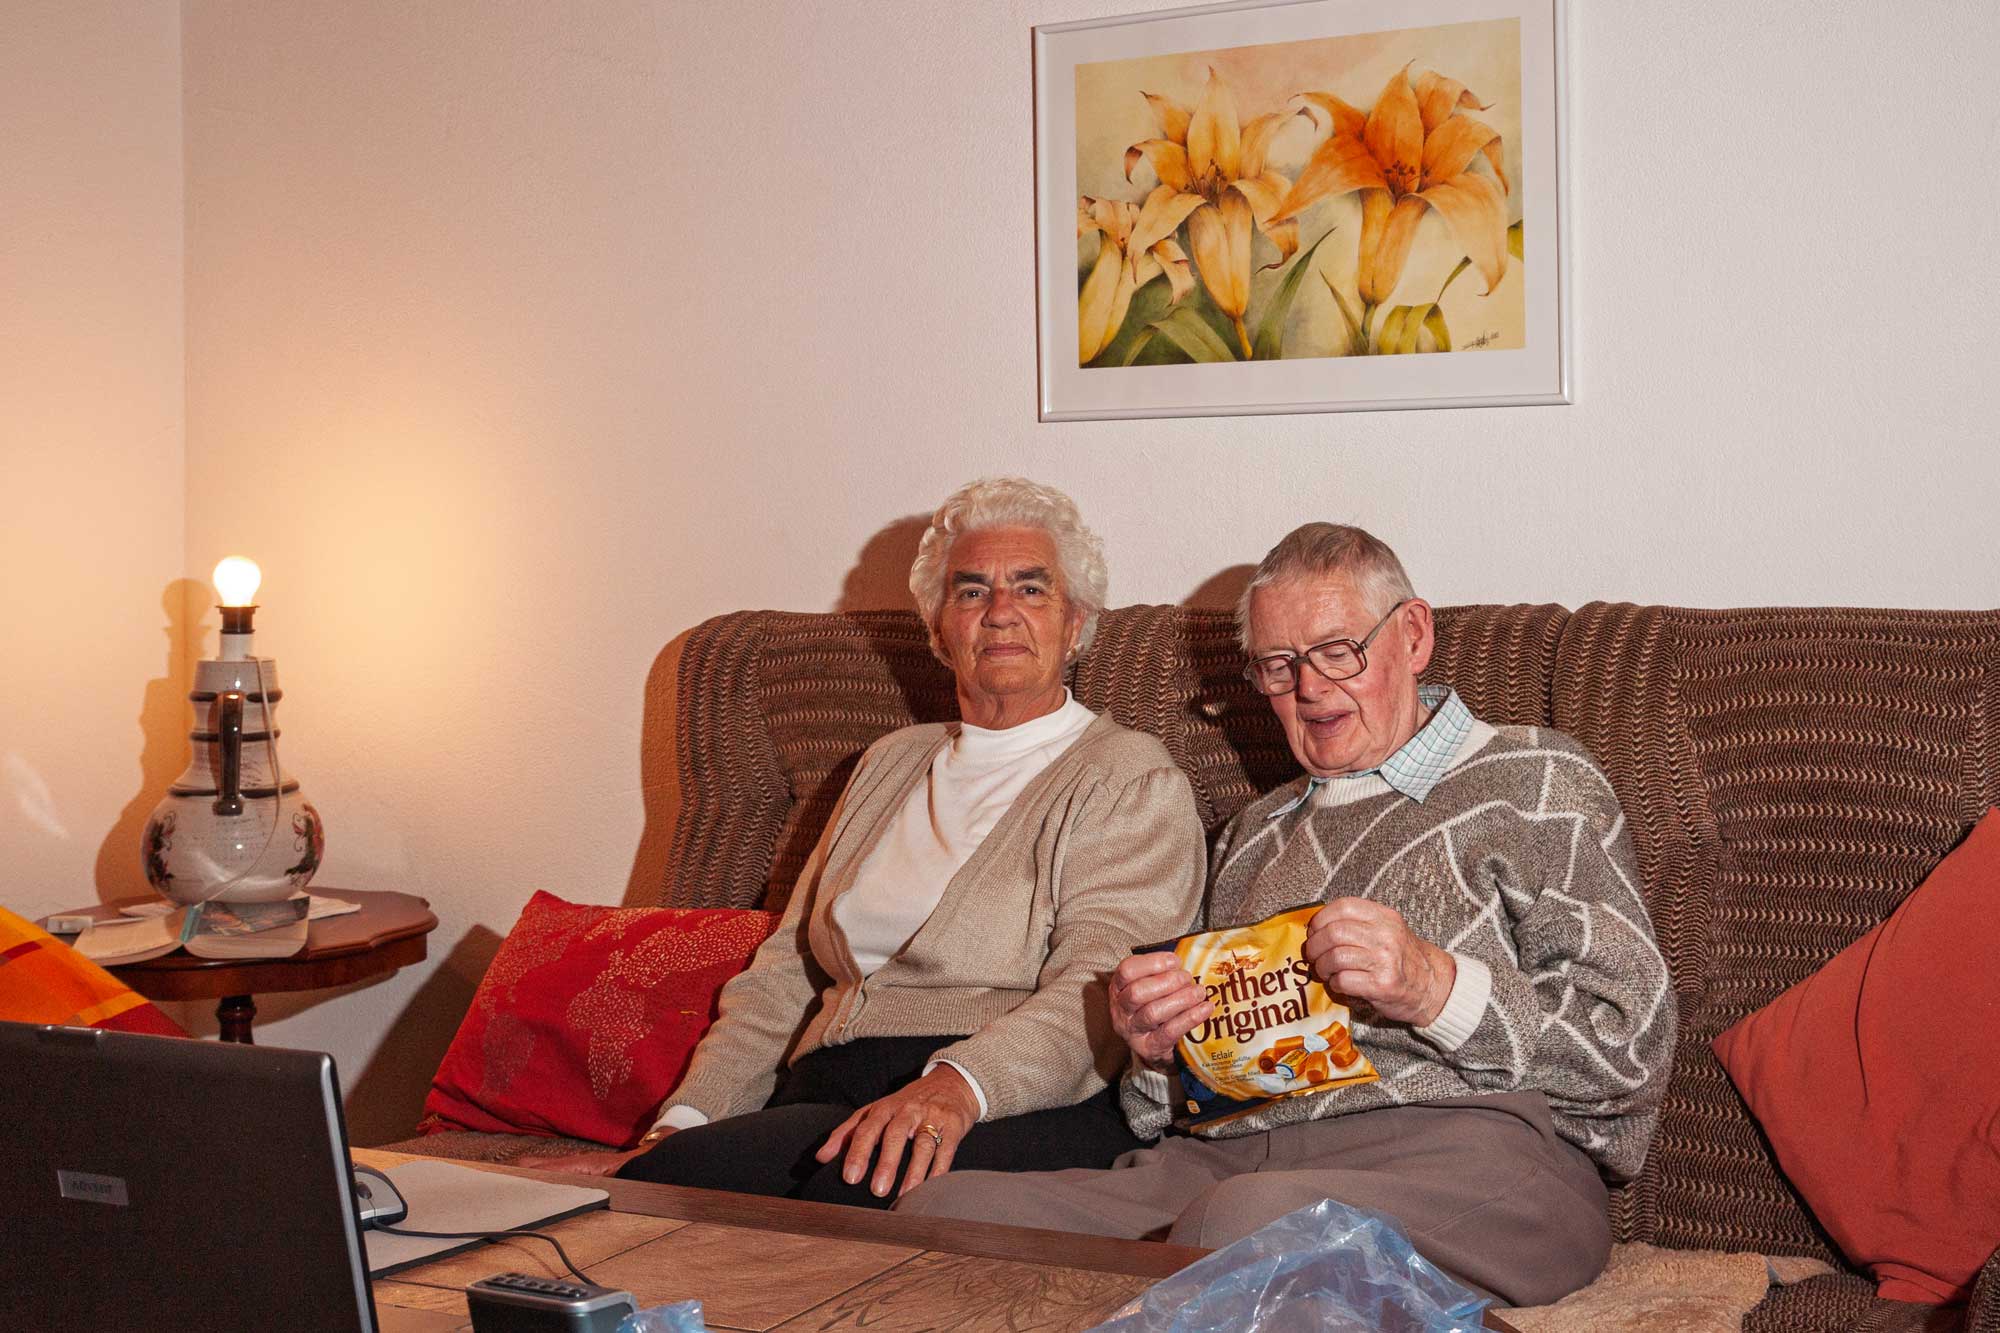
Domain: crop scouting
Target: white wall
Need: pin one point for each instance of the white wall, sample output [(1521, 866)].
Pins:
[(92, 464), (523, 336)]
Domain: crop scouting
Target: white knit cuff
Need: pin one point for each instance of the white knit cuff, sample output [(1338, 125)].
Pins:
[(1152, 1084), (965, 1074), (680, 1117), (1463, 1007)]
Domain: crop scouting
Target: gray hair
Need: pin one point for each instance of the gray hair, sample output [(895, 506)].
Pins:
[(1011, 502), (1323, 550)]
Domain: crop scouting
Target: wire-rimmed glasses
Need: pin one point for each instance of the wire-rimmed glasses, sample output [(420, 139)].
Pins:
[(1336, 659)]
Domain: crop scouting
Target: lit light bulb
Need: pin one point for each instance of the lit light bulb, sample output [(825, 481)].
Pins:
[(236, 578)]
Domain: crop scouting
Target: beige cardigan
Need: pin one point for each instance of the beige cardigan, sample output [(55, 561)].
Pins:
[(1101, 851)]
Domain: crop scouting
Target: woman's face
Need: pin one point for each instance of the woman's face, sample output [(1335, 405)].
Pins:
[(1007, 626)]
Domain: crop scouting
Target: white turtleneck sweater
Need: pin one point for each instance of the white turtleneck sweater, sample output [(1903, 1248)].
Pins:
[(972, 782)]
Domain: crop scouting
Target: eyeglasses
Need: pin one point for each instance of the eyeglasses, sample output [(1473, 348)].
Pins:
[(1336, 659)]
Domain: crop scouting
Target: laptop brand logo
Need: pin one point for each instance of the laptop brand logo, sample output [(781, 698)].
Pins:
[(93, 1189)]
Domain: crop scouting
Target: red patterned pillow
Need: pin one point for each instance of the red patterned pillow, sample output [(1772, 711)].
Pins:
[(587, 1017)]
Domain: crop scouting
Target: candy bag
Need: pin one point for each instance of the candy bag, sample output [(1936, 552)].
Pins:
[(1275, 1032)]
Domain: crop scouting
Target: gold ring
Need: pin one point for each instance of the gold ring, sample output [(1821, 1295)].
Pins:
[(937, 1135)]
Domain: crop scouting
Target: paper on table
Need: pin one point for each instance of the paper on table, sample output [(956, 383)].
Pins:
[(317, 908), (148, 933), (109, 946), (445, 1197)]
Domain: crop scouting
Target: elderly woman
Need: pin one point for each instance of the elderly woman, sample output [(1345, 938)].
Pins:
[(936, 986)]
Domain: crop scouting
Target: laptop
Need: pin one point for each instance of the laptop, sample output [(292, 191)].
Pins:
[(166, 1183)]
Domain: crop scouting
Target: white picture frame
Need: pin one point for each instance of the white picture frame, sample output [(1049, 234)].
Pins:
[(1109, 93)]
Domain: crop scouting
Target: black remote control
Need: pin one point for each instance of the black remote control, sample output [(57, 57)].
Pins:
[(521, 1303)]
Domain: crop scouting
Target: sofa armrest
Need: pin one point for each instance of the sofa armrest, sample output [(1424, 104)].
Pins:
[(1982, 1312)]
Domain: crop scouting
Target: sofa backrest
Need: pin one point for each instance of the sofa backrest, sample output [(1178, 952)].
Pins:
[(1788, 776), (772, 708)]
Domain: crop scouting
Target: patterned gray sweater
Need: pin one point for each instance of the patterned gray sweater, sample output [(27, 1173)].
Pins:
[(1518, 859)]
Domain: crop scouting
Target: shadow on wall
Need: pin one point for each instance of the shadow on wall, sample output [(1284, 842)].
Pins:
[(880, 581), (386, 1099), (165, 718), (1220, 591), (659, 779), (877, 580), (880, 578)]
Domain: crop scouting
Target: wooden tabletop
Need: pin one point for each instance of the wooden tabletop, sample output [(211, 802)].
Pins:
[(761, 1264), (387, 933)]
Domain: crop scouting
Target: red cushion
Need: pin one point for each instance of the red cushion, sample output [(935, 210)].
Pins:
[(43, 980), (1876, 1081), (586, 1019)]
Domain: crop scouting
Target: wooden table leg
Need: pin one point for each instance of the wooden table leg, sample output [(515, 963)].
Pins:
[(235, 1013)]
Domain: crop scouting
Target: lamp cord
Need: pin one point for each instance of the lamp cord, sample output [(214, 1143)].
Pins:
[(491, 1235)]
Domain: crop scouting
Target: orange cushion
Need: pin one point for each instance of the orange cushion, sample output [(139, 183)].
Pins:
[(1876, 1081), (43, 980), (586, 1018)]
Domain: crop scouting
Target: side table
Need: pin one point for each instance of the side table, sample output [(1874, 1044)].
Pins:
[(387, 933)]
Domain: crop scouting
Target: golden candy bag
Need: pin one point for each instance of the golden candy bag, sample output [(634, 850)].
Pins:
[(1275, 1032)]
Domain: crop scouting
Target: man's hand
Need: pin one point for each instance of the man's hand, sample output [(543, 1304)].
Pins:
[(1154, 1003), (940, 1100), (585, 1163), (1366, 950)]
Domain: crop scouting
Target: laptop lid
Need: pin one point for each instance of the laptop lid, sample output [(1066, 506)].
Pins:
[(162, 1182)]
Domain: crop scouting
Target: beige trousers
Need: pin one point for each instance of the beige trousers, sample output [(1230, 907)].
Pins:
[(1483, 1187)]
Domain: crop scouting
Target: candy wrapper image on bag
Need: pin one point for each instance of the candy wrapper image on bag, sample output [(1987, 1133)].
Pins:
[(1275, 1032)]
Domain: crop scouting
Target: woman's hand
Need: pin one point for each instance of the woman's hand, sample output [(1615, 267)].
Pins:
[(1154, 1003), (940, 1100), (1364, 949), (586, 1163)]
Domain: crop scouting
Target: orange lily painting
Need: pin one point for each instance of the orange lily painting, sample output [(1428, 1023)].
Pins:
[(1349, 196)]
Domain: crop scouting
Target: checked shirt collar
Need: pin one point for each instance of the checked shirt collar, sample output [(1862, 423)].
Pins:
[(1423, 760)]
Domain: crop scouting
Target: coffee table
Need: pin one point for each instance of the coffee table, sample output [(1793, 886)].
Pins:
[(780, 1266), (387, 933)]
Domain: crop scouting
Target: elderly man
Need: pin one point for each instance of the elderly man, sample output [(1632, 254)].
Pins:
[(1483, 918)]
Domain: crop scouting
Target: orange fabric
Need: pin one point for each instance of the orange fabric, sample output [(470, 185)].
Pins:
[(1876, 1083), (43, 980), (586, 1018)]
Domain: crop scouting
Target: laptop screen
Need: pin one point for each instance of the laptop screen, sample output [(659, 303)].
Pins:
[(167, 1183)]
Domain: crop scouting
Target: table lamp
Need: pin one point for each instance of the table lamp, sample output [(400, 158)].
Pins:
[(234, 827)]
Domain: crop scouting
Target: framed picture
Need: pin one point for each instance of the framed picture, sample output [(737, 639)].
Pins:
[(1302, 206)]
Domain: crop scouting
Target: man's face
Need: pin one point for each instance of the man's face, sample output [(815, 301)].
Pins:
[(1352, 725)]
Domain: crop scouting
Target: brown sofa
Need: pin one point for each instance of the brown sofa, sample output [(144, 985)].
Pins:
[(1788, 774)]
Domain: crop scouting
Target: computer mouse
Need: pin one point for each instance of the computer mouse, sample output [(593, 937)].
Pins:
[(376, 1199)]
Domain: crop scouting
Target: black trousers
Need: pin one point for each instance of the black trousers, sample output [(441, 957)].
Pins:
[(771, 1151)]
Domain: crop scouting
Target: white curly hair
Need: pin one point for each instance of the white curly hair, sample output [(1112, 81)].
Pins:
[(1010, 502)]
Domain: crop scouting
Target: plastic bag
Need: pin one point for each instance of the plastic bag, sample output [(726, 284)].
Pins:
[(1326, 1267), (680, 1317)]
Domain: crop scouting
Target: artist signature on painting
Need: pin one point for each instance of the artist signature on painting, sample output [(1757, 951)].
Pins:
[(1486, 339)]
